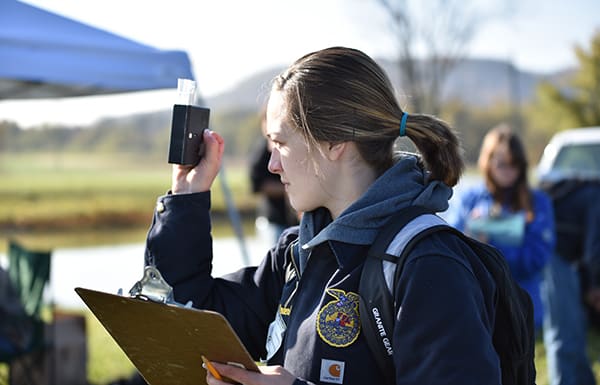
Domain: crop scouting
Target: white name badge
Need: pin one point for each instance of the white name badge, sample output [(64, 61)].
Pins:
[(275, 337)]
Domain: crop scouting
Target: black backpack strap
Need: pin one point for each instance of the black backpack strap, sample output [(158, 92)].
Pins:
[(392, 228), (377, 310)]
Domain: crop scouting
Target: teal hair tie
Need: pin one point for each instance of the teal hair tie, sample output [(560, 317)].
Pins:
[(403, 124)]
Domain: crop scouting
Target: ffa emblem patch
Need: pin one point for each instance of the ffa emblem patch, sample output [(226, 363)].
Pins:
[(338, 322)]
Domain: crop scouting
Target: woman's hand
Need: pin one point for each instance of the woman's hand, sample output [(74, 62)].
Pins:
[(191, 179), (269, 375)]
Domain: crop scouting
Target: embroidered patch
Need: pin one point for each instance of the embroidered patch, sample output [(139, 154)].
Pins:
[(285, 310), (332, 371), (338, 322)]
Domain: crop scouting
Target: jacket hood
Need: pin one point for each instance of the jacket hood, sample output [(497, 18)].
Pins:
[(403, 184)]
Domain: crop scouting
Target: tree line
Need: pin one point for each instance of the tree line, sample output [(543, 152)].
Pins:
[(145, 134), (572, 104)]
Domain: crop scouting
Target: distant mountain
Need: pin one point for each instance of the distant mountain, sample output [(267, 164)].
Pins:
[(250, 93), (482, 82), (478, 82), (234, 113)]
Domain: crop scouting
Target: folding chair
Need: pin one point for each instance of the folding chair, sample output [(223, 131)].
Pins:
[(29, 272)]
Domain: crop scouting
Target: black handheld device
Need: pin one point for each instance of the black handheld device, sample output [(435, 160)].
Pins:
[(187, 125)]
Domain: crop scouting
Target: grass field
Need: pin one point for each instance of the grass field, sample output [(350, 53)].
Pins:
[(72, 200), (58, 200)]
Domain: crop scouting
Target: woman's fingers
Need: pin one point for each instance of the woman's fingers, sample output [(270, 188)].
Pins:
[(213, 154), (198, 178), (269, 375), (215, 144)]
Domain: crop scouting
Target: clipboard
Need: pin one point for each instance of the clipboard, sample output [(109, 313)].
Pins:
[(165, 342)]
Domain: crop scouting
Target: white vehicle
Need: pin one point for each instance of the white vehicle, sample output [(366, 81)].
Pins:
[(571, 155)]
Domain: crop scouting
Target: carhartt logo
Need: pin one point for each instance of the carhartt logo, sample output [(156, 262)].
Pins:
[(332, 371)]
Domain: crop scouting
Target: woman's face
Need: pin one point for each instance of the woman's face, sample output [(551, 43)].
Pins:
[(502, 168), (291, 160)]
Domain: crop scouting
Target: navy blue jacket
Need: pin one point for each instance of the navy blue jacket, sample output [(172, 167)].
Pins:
[(577, 218), (444, 323)]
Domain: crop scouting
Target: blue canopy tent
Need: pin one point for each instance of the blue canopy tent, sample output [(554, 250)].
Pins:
[(45, 55)]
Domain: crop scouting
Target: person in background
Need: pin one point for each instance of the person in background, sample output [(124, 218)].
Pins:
[(274, 211), (506, 213), (332, 119), (571, 282)]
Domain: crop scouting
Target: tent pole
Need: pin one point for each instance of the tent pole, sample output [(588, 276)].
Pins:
[(234, 216)]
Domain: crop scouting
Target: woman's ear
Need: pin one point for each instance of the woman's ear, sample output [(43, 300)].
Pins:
[(336, 150)]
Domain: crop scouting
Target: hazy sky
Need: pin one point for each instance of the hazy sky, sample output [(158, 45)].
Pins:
[(229, 40)]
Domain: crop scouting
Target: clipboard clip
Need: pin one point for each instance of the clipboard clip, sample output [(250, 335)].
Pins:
[(152, 287)]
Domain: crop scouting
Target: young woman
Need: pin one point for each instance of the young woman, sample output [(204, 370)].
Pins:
[(332, 119), (505, 212)]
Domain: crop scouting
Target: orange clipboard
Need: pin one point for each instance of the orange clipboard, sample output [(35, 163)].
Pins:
[(166, 342)]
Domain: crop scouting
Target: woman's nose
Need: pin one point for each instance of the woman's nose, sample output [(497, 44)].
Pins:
[(274, 165)]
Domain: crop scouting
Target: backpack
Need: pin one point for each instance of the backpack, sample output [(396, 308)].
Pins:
[(513, 336)]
